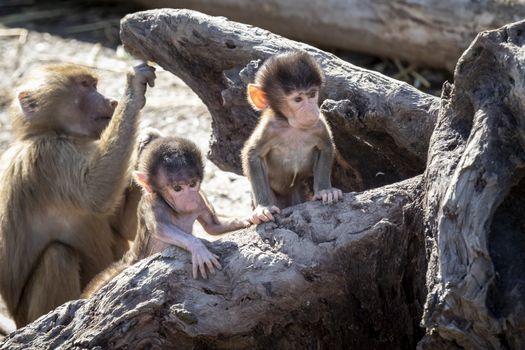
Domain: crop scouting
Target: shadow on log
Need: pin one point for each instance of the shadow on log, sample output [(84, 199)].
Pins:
[(352, 275)]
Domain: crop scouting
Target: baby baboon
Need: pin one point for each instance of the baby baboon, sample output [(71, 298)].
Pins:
[(292, 141), (170, 172)]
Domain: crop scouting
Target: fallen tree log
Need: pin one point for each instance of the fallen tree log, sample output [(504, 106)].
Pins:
[(288, 285), (429, 32), (354, 274)]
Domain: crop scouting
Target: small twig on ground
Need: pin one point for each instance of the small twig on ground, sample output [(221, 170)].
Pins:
[(93, 54), (402, 71), (421, 79), (22, 39), (22, 34), (5, 32), (88, 27)]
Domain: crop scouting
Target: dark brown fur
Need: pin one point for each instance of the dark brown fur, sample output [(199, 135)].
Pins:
[(62, 177), (278, 158), (177, 156), (282, 74)]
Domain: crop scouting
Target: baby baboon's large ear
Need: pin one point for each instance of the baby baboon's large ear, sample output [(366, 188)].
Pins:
[(257, 97), (143, 181)]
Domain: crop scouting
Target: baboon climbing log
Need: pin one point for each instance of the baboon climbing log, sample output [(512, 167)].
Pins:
[(360, 273)]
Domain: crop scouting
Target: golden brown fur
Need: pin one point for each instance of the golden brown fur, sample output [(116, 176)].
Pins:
[(136, 252), (62, 178)]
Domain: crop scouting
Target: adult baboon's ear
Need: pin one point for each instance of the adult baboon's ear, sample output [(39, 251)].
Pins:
[(28, 104)]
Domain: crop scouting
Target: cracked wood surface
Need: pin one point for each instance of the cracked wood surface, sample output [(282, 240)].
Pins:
[(278, 281)]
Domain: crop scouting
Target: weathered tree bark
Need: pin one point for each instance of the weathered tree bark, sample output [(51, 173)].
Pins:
[(428, 32), (351, 275), (475, 200)]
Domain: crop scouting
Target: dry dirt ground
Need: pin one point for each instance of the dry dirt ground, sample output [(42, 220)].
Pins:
[(33, 33)]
